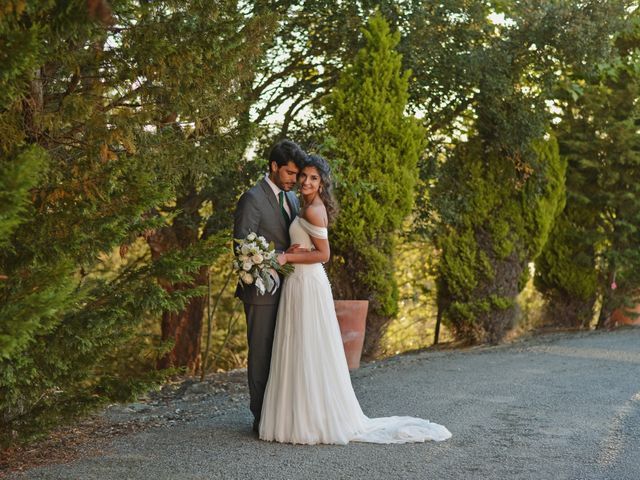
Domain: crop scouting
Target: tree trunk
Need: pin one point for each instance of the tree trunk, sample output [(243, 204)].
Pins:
[(566, 311), (374, 331), (436, 333), (184, 329), (608, 304), (33, 105), (605, 313)]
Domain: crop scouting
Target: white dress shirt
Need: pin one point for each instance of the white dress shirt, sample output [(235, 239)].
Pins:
[(276, 192)]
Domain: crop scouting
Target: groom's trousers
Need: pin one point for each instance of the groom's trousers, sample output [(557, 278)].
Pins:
[(261, 322)]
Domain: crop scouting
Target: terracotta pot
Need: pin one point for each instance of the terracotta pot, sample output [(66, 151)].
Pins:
[(621, 316), (352, 318)]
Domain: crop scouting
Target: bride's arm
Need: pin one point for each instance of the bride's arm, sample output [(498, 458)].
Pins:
[(317, 216)]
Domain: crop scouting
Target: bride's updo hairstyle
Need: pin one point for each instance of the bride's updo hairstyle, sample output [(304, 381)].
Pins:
[(326, 184)]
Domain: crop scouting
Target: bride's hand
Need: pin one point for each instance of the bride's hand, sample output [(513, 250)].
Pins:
[(296, 248), (282, 258)]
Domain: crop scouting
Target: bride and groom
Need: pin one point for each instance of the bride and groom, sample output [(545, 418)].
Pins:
[(299, 384)]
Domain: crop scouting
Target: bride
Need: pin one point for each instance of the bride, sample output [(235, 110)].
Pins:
[(309, 398)]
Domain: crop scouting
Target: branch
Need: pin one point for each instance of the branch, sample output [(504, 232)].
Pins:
[(446, 119), (293, 111)]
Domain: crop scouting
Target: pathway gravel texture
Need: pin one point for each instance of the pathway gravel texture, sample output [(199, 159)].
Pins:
[(557, 406)]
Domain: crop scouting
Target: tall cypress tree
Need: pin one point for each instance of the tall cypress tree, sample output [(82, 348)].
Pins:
[(490, 230), (379, 147), (72, 193)]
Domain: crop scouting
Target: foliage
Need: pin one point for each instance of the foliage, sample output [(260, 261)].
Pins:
[(595, 244), (313, 43), (105, 123), (413, 328), (380, 147), (200, 70), (123, 132), (498, 193), (530, 305), (565, 271), (492, 231), (228, 346)]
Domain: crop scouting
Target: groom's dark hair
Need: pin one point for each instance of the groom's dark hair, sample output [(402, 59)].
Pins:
[(286, 151)]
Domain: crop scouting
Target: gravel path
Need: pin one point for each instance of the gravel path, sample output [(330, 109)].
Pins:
[(558, 406)]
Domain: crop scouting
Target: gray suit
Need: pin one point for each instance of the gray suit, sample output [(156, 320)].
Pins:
[(258, 211)]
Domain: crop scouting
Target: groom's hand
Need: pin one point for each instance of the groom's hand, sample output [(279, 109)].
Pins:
[(296, 248)]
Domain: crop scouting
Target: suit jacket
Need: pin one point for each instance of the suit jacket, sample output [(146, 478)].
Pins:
[(258, 211)]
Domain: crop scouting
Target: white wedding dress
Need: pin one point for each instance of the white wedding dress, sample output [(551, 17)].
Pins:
[(309, 398)]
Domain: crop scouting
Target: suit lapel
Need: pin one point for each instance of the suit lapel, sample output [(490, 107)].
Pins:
[(273, 202)]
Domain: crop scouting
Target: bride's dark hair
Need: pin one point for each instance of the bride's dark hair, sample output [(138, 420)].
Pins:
[(326, 184)]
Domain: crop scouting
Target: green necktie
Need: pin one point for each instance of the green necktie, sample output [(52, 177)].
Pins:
[(284, 212)]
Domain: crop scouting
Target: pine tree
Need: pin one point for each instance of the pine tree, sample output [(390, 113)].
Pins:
[(206, 57), (105, 117), (379, 147)]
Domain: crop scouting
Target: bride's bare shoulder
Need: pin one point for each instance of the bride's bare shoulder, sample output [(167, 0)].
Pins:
[(316, 214)]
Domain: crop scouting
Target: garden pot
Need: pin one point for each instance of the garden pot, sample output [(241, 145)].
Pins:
[(620, 316), (352, 318)]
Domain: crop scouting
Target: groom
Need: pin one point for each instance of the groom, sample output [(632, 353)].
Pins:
[(266, 209)]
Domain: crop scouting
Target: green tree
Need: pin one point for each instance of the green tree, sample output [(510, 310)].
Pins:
[(313, 43), (596, 243), (70, 196), (566, 270), (106, 116), (201, 92), (379, 147), (499, 193), (491, 229)]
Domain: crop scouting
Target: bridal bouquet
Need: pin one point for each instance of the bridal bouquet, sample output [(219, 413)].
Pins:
[(256, 263)]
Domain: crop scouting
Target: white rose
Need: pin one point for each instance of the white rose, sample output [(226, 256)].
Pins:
[(246, 266), (245, 249), (251, 237), (257, 259), (246, 278), (243, 258)]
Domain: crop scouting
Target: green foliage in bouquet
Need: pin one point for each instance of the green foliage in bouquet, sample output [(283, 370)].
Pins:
[(379, 147), (255, 260)]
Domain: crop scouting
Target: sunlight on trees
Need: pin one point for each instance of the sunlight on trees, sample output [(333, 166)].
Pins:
[(129, 129)]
